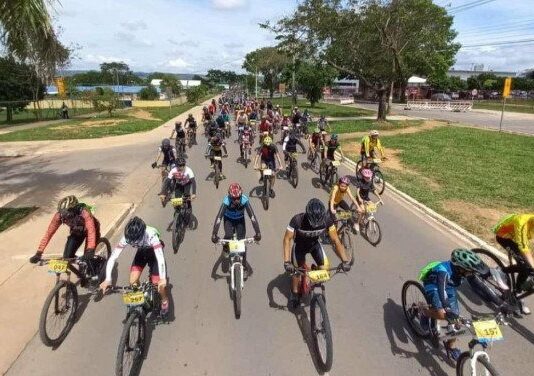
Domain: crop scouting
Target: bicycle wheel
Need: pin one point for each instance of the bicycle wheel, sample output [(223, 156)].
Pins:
[(373, 234), (379, 182), (177, 231), (295, 175), (266, 193), (483, 367), (103, 251), (245, 157), (58, 314), (237, 291), (321, 332), (322, 175), (492, 284), (217, 175), (333, 176), (131, 344), (347, 243), (413, 295)]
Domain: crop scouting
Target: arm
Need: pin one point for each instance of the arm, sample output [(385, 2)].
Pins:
[(218, 220), (113, 258), (279, 160), (341, 152), (366, 142), (354, 201), (338, 246), (52, 228), (158, 251), (332, 196), (252, 217), (301, 145), (442, 279), (287, 245), (285, 144), (91, 229), (193, 183)]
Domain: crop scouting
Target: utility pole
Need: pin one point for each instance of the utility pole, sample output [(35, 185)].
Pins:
[(256, 83), (293, 88)]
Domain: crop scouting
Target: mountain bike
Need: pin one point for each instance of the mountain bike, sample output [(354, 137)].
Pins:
[(328, 172), (181, 219), (312, 286), (58, 314), (247, 150), (345, 220), (484, 330), (267, 182), (191, 137), (217, 167), (378, 177), (237, 251), (502, 280), (142, 302), (292, 170), (180, 147), (315, 157), (370, 228)]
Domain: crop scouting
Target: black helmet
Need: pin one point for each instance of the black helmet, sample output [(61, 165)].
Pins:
[(166, 143), (292, 136), (468, 260), (316, 213), (180, 162), (134, 230)]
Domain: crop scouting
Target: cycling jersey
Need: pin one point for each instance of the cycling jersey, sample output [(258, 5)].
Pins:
[(180, 134), (181, 177), (191, 122), (235, 212), (265, 126), (150, 243), (169, 155), (368, 145), (306, 236), (268, 152), (440, 281), (331, 147), (290, 145), (338, 194), (518, 228), (316, 138), (364, 188)]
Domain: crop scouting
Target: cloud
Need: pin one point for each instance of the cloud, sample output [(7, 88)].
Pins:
[(228, 4), (98, 59), (233, 45), (177, 63), (135, 25), (132, 40)]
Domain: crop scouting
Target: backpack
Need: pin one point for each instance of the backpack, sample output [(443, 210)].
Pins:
[(427, 269)]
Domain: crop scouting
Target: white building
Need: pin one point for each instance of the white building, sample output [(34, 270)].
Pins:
[(465, 74)]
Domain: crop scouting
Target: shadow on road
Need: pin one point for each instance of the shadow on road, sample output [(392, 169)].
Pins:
[(399, 333)]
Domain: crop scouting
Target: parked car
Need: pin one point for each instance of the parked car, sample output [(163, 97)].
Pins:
[(440, 97)]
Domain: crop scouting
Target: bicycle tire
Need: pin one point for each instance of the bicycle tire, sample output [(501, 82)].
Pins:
[(347, 243), (237, 292), (466, 357), (373, 242), (125, 341), (295, 173), (380, 176), (52, 297), (415, 328), (245, 157), (500, 264), (216, 176), (104, 255), (178, 230), (322, 175), (325, 363), (266, 193)]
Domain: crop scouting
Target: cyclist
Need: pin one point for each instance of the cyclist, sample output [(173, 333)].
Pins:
[(337, 195), (322, 123), (315, 140), (180, 133), (215, 148), (268, 153), (369, 145), (330, 147), (168, 152), (365, 185), (515, 233), (82, 224), (246, 137), (266, 128), (241, 120), (191, 124), (182, 178), (149, 252), (440, 280), (305, 229), (290, 145), (232, 211)]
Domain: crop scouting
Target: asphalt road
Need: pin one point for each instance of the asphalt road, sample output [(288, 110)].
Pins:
[(203, 337), (512, 121)]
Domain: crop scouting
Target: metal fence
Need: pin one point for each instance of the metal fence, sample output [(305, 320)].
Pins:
[(454, 106)]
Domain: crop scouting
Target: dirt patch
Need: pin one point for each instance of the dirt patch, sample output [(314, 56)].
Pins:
[(427, 125), (91, 123), (142, 114)]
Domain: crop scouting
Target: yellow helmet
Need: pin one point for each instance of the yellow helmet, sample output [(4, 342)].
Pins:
[(267, 141), (67, 203)]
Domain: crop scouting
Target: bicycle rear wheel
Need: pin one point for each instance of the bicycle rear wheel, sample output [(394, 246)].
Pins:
[(237, 291), (373, 234), (379, 182), (58, 314), (131, 344), (413, 296), (482, 368), (321, 332)]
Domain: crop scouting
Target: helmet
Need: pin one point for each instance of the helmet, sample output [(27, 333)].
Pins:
[(180, 162), (468, 260), (316, 213), (178, 123), (367, 173), (374, 132), (334, 136), (267, 141), (235, 191), (166, 143), (67, 203), (322, 117), (316, 130), (215, 140), (190, 115), (134, 230), (292, 136), (344, 180)]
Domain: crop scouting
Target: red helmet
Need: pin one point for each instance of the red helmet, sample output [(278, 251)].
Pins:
[(367, 173), (235, 191)]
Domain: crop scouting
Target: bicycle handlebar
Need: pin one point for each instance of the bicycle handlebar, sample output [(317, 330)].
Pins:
[(246, 240)]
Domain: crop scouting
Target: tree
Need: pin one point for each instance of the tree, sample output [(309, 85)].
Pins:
[(312, 78), (377, 41), (17, 86), (149, 93), (194, 93), (103, 99), (446, 83), (270, 62)]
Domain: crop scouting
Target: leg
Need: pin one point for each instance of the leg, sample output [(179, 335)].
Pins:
[(71, 246), (138, 264), (319, 256)]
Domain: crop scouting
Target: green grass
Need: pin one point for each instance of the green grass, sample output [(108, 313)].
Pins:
[(327, 109), (28, 116), (9, 216), (364, 125), (166, 113), (512, 105)]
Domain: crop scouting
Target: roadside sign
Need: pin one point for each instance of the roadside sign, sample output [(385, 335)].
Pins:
[(474, 93), (282, 88), (507, 87)]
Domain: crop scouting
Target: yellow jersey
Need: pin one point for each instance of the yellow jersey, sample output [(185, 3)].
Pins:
[(369, 145), (338, 194), (517, 227)]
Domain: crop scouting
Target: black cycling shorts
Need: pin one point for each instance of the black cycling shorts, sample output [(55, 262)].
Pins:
[(298, 256), (144, 257)]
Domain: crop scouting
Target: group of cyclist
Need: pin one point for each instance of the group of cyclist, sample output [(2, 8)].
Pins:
[(515, 232)]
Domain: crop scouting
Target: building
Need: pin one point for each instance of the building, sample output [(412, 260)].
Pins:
[(465, 74), (344, 87)]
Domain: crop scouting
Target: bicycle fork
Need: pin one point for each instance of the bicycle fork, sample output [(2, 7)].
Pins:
[(236, 263)]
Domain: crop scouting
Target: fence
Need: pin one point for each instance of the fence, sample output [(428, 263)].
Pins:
[(172, 102), (454, 106), (338, 99)]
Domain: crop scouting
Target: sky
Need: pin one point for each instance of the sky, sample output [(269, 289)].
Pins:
[(192, 36)]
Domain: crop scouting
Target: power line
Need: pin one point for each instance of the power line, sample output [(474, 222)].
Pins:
[(501, 27), (523, 41), (469, 6)]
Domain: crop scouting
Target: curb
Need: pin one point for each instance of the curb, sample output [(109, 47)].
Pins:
[(435, 217), (110, 230)]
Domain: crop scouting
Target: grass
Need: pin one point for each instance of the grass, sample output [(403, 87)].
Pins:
[(164, 113), (512, 105), (487, 172), (364, 125), (327, 109), (28, 116), (9, 216)]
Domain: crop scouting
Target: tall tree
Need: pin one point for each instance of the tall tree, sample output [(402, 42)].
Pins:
[(312, 77), (268, 61), (377, 41)]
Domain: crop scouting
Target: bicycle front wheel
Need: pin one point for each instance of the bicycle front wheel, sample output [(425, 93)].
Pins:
[(237, 292), (346, 240), (295, 175), (321, 332), (178, 230), (413, 296), (131, 345), (373, 234), (482, 366), (217, 175), (58, 314)]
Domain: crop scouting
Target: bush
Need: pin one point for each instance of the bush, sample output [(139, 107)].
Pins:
[(195, 93), (149, 93)]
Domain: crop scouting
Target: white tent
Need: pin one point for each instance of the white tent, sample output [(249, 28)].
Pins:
[(416, 80)]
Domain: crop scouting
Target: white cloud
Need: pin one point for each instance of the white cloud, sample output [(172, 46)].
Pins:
[(177, 63), (98, 59), (134, 25), (133, 40), (228, 4)]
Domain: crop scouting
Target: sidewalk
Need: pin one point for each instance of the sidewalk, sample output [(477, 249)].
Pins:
[(24, 286)]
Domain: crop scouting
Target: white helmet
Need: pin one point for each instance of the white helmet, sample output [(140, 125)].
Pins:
[(374, 132)]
